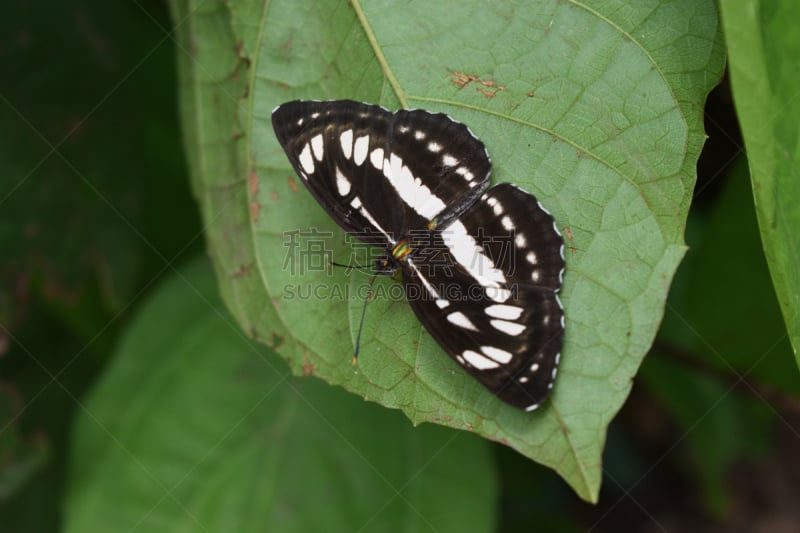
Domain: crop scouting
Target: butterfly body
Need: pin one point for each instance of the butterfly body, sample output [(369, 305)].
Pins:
[(481, 267)]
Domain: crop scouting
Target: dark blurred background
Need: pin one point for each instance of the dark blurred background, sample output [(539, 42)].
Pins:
[(95, 207)]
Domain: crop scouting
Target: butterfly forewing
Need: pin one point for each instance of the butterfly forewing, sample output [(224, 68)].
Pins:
[(376, 170), (496, 271)]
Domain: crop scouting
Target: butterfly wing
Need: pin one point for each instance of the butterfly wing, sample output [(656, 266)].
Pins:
[(486, 288), (380, 174)]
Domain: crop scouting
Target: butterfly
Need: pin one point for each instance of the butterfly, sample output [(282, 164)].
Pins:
[(482, 267)]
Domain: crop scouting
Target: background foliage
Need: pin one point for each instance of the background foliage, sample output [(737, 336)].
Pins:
[(131, 400)]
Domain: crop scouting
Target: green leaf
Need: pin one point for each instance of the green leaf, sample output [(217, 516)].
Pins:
[(748, 337), (763, 46), (195, 428), (594, 107)]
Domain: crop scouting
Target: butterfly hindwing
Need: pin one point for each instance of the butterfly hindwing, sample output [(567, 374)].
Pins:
[(497, 271)]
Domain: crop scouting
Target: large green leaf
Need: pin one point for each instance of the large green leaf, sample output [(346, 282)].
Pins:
[(595, 107), (195, 428), (763, 47)]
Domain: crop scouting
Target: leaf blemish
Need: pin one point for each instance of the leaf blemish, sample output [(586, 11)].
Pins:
[(253, 180)]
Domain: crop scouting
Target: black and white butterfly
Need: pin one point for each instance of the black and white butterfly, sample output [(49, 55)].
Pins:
[(481, 268)]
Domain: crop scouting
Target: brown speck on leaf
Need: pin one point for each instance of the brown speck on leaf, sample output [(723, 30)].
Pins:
[(487, 94), (308, 369), (253, 180), (239, 49), (460, 79), (241, 272), (531, 94), (275, 195), (255, 207), (568, 233), (292, 184)]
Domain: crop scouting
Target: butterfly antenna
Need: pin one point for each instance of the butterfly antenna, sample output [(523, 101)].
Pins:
[(361, 322), (354, 266)]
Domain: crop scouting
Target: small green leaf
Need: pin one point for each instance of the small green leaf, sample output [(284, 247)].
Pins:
[(763, 47), (594, 107), (196, 428)]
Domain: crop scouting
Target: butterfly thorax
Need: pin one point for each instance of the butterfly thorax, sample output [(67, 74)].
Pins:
[(403, 250)]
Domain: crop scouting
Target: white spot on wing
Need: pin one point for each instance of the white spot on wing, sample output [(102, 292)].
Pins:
[(460, 319), (506, 312), (531, 258), (317, 146), (374, 222), (498, 294), (306, 161), (449, 161), (442, 304), (346, 140), (501, 356), (434, 147), (532, 407), (534, 368), (423, 279), (507, 223), (471, 256), (410, 189), (512, 328), (360, 149), (355, 202), (342, 183), (376, 158), (520, 240), (478, 361), (419, 135), (497, 209)]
